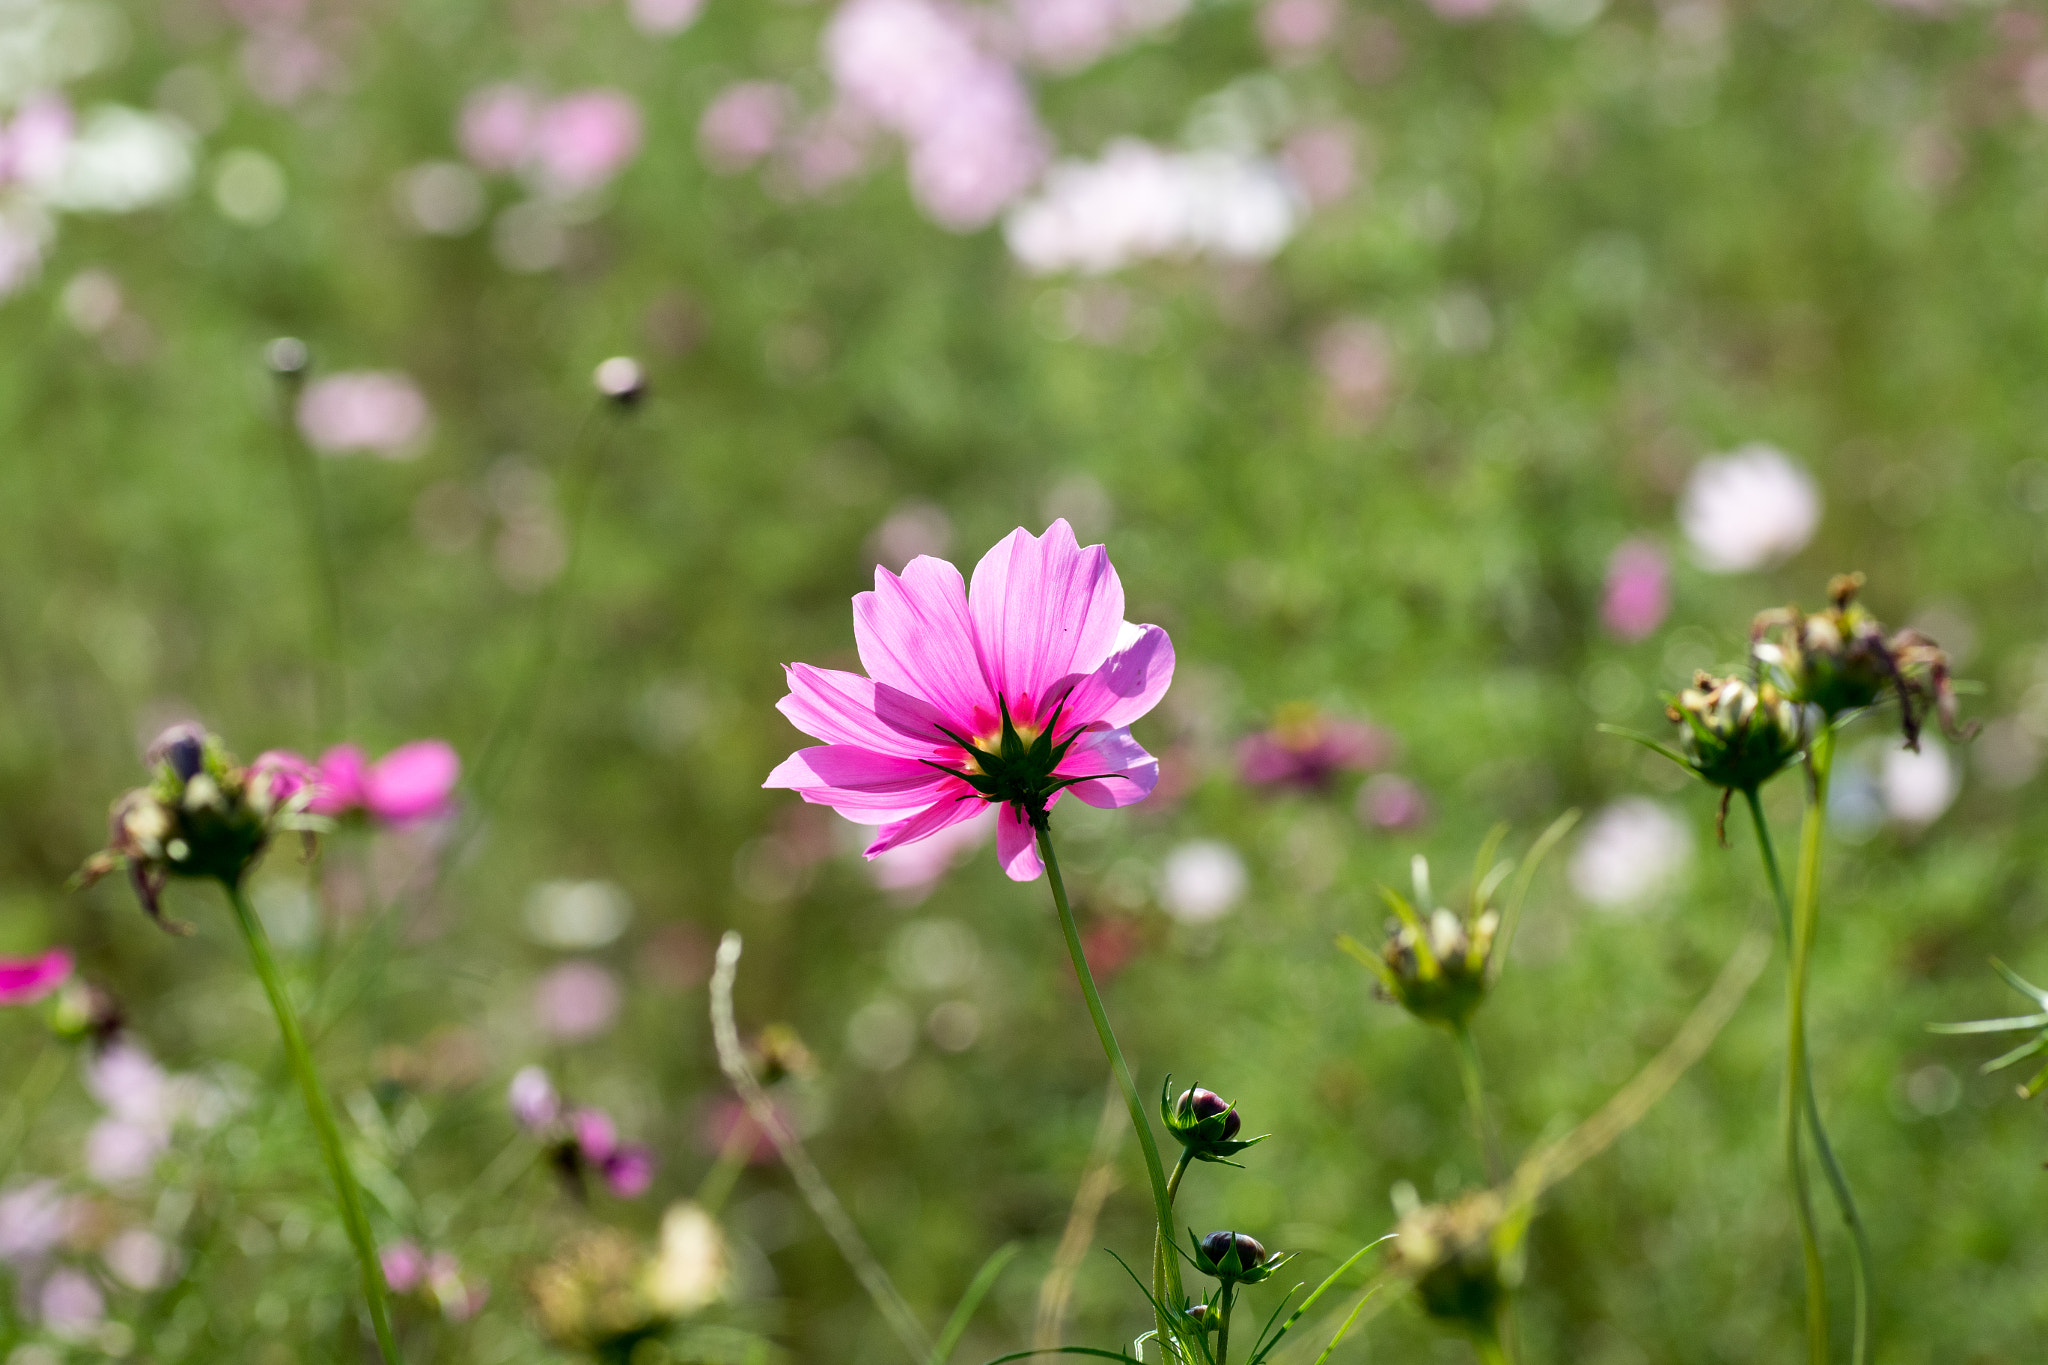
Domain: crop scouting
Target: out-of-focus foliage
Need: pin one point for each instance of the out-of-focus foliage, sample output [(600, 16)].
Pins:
[(1528, 269)]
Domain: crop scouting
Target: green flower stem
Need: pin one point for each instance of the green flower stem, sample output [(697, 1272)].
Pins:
[(1805, 908), (1492, 1352), (1475, 1097), (349, 1194), (1838, 1181), (1226, 1304), (1166, 1286), (1180, 1168)]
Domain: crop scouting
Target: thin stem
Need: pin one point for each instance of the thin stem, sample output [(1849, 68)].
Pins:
[(1805, 907), (1493, 1352), (1166, 1287), (716, 1186), (1838, 1180), (349, 1194), (1226, 1305), (1475, 1098), (1180, 1168), (331, 679)]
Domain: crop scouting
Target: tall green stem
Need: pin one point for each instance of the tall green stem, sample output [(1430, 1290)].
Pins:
[(1838, 1181), (1475, 1098), (1166, 1288), (1226, 1303), (1805, 907), (347, 1192)]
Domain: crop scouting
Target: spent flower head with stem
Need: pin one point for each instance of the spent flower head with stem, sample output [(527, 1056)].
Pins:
[(1434, 962), (1011, 690), (1464, 1258)]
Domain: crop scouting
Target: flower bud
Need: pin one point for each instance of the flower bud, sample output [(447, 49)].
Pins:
[(1204, 1123), (622, 380), (1841, 661), (1462, 1259), (1235, 1258), (1435, 968), (1735, 736)]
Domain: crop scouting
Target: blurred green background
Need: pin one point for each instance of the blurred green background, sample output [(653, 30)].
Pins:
[(1380, 468)]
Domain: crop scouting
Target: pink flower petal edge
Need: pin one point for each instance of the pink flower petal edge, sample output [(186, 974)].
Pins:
[(25, 980), (415, 781), (1038, 631)]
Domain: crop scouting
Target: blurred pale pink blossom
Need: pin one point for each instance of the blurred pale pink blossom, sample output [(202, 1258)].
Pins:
[(575, 1001), (1066, 35), (1323, 160), (830, 149), (1391, 801), (405, 1266), (582, 140), (743, 123), (461, 1298), (380, 411), (533, 1099), (1294, 30), (663, 18), (1638, 593), (495, 128), (1356, 361), (121, 1153), (70, 1304), (24, 235), (1307, 749), (1749, 509), (283, 64), (33, 145), (139, 1259), (1463, 11), (33, 1219)]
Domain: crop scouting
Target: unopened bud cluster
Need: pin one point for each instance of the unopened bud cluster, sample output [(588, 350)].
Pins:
[(201, 815), (1734, 734)]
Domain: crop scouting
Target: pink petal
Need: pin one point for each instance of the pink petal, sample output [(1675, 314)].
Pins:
[(342, 770), (1128, 773), (962, 805), (845, 708), (1017, 847), (629, 1171), (412, 781), (914, 635), (25, 980), (1128, 684), (864, 786), (1043, 608)]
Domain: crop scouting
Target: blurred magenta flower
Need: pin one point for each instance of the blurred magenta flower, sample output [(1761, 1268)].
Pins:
[(629, 1171), (380, 411), (1638, 595), (1305, 748), (1038, 641), (743, 123), (582, 140), (496, 126), (405, 1266), (576, 1000), (1391, 801), (415, 781), (25, 980)]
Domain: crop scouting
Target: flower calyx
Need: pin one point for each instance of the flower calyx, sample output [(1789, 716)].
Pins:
[(1016, 768), (1235, 1257), (1204, 1124), (202, 815), (1464, 1258), (1438, 966), (1841, 660)]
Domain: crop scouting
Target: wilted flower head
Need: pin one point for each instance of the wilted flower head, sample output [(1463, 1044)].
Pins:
[(1204, 1123), (200, 816), (1733, 734), (1841, 660), (1306, 748), (1010, 693), (1236, 1257), (25, 980), (1462, 1257)]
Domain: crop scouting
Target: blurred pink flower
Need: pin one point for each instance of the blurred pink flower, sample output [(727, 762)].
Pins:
[(1039, 639), (283, 64), (496, 127), (1306, 749), (1323, 161), (662, 18), (743, 123), (120, 1152), (910, 871), (25, 980), (70, 1303), (1356, 361), (1390, 801), (33, 1219), (460, 1299), (33, 146), (1638, 595), (375, 410), (576, 1000), (415, 781), (1066, 35), (405, 1266), (534, 1102), (1295, 29), (629, 1171), (139, 1259), (582, 140), (129, 1084), (988, 152), (596, 1136), (831, 149), (727, 1124)]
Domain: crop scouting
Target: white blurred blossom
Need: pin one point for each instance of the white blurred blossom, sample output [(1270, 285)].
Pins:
[(1748, 509), (381, 411), (121, 160), (1138, 202), (1632, 850), (33, 1219), (1918, 787), (690, 1269), (1202, 881)]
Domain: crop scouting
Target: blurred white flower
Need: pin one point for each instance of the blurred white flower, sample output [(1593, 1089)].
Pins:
[(663, 18), (572, 914), (1917, 788), (689, 1271), (33, 1220), (25, 234), (139, 1259), (1138, 202), (1632, 850), (1202, 881), (122, 160), (70, 1303), (1748, 509), (575, 1001), (375, 410)]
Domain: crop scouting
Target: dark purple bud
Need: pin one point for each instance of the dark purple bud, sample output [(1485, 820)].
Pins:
[(1207, 1104), (1217, 1246), (183, 747)]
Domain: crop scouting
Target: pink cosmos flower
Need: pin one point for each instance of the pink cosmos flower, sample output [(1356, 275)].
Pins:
[(1011, 690), (582, 140), (25, 980), (743, 124), (1307, 749), (381, 411), (1638, 595), (405, 1266), (415, 781), (496, 126)]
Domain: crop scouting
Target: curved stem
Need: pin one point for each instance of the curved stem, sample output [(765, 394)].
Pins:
[(348, 1193), (1475, 1098), (1838, 1180), (1165, 1268)]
